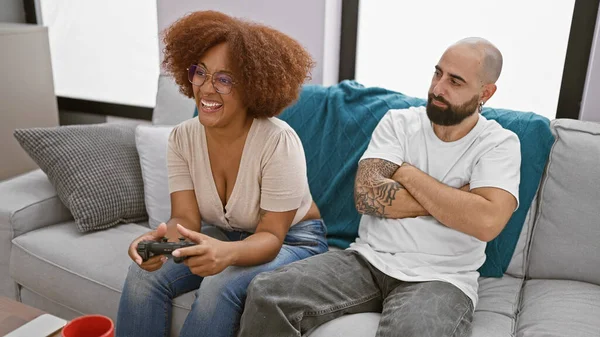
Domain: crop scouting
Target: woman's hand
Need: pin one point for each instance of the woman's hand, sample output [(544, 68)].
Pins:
[(155, 262), (209, 257)]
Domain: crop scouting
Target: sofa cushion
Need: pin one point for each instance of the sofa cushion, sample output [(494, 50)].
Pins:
[(32, 299), (496, 311), (355, 325), (55, 260), (172, 107), (151, 143), (95, 170), (499, 295), (491, 324), (485, 324), (559, 308), (518, 263), (567, 229), (27, 202)]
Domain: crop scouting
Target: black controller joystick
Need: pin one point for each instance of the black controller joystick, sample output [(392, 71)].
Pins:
[(148, 249)]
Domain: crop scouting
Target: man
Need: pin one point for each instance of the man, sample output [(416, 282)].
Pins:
[(435, 184)]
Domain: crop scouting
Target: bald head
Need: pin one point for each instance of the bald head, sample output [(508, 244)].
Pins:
[(491, 58)]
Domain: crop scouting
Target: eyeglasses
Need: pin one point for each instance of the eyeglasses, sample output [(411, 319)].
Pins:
[(222, 82)]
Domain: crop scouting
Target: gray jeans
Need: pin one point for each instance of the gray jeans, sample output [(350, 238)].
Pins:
[(295, 298)]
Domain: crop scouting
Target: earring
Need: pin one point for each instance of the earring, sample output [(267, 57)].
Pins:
[(480, 106)]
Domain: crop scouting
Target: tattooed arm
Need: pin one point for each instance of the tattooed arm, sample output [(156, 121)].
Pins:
[(481, 213), (375, 193)]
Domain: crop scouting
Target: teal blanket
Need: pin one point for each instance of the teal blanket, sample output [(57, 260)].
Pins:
[(335, 125)]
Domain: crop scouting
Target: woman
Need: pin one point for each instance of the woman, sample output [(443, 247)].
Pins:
[(234, 167)]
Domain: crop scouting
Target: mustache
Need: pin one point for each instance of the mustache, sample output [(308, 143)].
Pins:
[(438, 98)]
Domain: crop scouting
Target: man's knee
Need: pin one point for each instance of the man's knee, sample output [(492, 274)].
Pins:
[(267, 286), (277, 290), (428, 309)]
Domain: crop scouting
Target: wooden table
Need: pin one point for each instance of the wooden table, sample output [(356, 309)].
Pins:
[(13, 314)]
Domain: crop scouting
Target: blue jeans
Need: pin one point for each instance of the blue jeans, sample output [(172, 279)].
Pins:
[(146, 303)]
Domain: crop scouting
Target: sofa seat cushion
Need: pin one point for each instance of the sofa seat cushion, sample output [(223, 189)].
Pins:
[(81, 271), (499, 295), (496, 312), (492, 324), (485, 324), (355, 325), (494, 316), (559, 308)]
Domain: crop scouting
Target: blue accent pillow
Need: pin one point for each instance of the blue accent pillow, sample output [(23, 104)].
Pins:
[(195, 110), (335, 125)]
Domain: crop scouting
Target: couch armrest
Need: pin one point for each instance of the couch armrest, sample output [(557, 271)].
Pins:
[(29, 202)]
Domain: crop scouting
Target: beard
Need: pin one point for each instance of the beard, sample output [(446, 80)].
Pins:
[(452, 114)]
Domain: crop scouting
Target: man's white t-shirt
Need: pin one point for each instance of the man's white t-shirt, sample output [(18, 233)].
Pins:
[(421, 248)]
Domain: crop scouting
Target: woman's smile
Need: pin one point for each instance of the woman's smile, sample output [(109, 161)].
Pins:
[(210, 106)]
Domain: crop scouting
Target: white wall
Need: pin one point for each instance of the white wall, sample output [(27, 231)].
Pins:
[(590, 105), (314, 23), (12, 11)]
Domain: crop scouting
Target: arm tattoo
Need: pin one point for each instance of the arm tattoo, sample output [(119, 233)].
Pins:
[(373, 189)]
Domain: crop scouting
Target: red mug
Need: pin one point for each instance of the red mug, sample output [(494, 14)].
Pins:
[(89, 326)]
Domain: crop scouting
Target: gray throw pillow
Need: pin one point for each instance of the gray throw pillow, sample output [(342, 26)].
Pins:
[(94, 168)]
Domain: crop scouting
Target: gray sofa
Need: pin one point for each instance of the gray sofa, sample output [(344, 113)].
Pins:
[(551, 288)]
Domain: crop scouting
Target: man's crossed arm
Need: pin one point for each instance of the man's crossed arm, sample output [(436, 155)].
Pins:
[(386, 190), (377, 194)]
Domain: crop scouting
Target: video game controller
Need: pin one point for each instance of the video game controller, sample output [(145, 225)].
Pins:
[(148, 249)]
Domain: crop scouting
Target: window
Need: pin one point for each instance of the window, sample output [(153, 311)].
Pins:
[(399, 43), (103, 51)]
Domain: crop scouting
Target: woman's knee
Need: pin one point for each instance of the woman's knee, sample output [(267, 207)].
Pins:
[(140, 281), (225, 285), (137, 286)]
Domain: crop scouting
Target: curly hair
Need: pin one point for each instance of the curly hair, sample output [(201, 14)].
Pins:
[(270, 66)]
